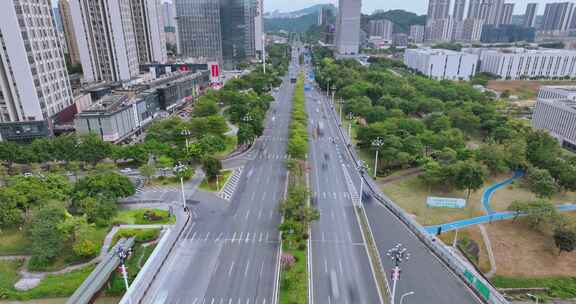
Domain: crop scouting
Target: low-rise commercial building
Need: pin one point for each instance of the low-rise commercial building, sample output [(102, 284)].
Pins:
[(442, 64), (556, 112), (518, 63)]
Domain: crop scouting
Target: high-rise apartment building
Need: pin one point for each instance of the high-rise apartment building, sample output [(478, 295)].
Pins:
[(381, 28), (438, 9), (199, 34), (106, 39), (168, 12), (474, 9), (557, 17), (148, 24), (530, 15), (259, 26), (69, 34), (34, 82), (348, 26), (490, 11), (439, 30), (238, 35), (417, 33), (506, 15), (459, 8)]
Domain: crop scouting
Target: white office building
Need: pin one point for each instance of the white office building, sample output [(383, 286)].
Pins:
[(34, 82), (259, 26), (518, 63), (348, 27), (442, 64), (556, 112)]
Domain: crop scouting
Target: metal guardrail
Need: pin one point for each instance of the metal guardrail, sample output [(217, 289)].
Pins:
[(141, 284), (468, 275), (100, 275)]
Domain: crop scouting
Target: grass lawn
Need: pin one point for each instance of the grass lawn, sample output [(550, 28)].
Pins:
[(13, 242), (136, 217), (231, 142), (560, 287), (503, 197), (294, 280), (410, 193), (163, 181), (211, 186), (52, 286), (142, 235)]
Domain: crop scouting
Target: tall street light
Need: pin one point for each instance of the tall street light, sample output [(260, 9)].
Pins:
[(361, 169), (123, 255), (350, 117), (341, 102), (179, 171), (186, 133), (397, 254), (378, 143), (405, 295)]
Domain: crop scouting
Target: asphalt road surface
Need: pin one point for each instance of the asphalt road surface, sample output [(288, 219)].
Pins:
[(230, 255), (424, 274), (341, 271)]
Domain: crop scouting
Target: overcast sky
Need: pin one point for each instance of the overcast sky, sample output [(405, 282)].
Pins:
[(368, 6)]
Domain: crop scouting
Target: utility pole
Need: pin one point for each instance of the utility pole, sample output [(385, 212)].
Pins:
[(350, 117), (398, 254), (361, 168), (378, 142), (264, 52)]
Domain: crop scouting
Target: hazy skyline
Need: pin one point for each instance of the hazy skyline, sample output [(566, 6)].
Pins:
[(368, 6)]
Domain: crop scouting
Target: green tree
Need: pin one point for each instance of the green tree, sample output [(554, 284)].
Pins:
[(105, 185), (46, 239), (468, 175), (93, 149), (565, 239), (98, 210), (205, 107), (541, 183), (539, 212), (212, 167), (11, 202), (494, 157), (245, 134)]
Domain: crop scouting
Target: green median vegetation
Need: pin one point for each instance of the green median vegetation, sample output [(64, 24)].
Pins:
[(295, 208)]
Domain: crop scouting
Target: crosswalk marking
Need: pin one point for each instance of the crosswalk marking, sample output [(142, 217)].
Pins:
[(230, 187)]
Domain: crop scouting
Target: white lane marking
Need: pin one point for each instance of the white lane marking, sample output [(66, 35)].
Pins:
[(207, 235), (340, 266), (219, 237), (194, 235), (252, 196), (259, 214), (240, 239), (332, 214), (246, 270), (247, 214), (349, 236), (230, 301), (325, 265), (212, 302), (271, 214), (247, 237), (263, 196), (234, 237), (323, 237), (195, 300), (260, 239), (231, 268), (266, 236)]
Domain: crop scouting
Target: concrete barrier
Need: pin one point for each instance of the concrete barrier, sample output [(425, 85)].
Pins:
[(100, 275), (139, 287)]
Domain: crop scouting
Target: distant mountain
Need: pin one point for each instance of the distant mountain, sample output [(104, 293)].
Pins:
[(299, 13), (296, 21), (402, 19)]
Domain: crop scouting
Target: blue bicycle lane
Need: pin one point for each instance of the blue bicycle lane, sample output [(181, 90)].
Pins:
[(491, 214)]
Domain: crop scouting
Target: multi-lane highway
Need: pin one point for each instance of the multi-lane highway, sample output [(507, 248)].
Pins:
[(341, 271), (229, 254), (424, 274)]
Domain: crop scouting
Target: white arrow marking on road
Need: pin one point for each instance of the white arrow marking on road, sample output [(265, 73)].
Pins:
[(246, 270), (194, 235), (230, 270)]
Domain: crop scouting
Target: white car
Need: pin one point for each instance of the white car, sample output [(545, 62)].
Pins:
[(126, 170)]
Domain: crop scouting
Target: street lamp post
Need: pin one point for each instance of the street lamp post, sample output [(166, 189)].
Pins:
[(350, 117), (378, 142), (398, 254), (123, 254), (341, 102), (179, 171), (328, 88), (361, 168), (186, 133), (405, 295), (333, 93)]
